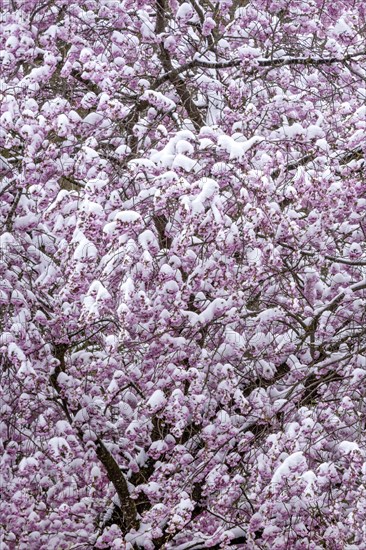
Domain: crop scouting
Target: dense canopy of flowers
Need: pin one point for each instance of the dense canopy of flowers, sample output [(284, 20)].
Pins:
[(182, 274)]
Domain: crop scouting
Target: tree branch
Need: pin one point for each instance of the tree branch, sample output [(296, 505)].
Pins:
[(127, 507), (116, 477), (172, 75), (270, 63)]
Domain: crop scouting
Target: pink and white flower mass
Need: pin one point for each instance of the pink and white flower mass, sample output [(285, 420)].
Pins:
[(183, 274)]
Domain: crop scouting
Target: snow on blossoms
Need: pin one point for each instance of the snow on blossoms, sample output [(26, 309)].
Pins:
[(183, 274)]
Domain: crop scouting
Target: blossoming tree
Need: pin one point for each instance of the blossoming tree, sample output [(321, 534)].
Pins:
[(183, 283)]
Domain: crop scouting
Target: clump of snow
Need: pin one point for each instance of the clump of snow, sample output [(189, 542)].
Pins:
[(348, 446), (293, 463), (156, 401), (128, 216), (237, 149)]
